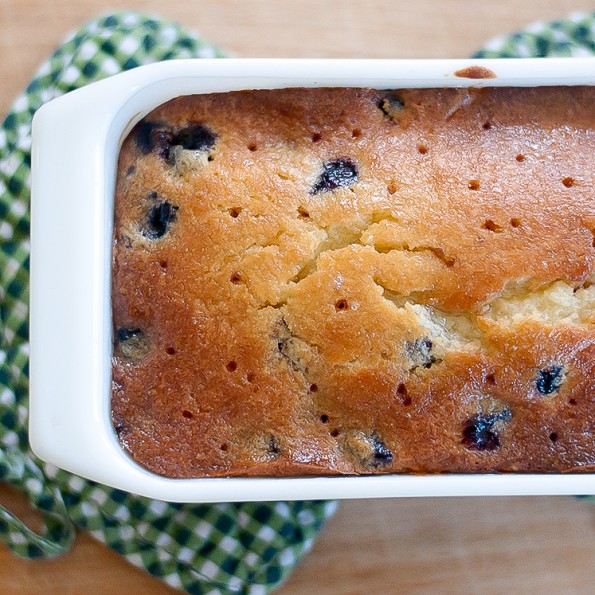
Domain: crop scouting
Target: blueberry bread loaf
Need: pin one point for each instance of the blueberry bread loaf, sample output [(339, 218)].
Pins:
[(354, 281)]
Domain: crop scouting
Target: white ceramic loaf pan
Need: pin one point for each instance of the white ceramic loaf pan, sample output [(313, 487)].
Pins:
[(76, 140)]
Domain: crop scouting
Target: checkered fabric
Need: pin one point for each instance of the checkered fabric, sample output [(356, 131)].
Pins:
[(573, 37), (216, 549)]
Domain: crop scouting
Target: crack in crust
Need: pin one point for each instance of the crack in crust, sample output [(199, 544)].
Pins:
[(442, 331)]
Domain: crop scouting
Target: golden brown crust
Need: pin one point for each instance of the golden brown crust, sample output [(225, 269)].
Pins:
[(346, 281)]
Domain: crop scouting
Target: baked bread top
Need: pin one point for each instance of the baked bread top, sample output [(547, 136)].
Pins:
[(346, 281)]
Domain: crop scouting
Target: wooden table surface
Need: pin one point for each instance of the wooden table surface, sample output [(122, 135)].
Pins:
[(462, 545)]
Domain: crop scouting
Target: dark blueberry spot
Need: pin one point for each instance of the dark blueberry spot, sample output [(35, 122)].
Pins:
[(367, 449), (391, 106), (287, 346), (195, 138), (380, 454), (335, 174), (263, 446), (124, 334), (160, 217), (152, 136), (155, 136), (419, 352), (274, 447), (119, 427), (481, 432), (549, 379), (132, 343), (479, 435)]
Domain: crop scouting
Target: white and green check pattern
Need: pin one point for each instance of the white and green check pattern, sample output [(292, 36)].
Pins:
[(572, 37), (216, 549)]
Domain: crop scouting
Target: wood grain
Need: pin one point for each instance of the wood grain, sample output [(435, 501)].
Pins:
[(417, 546), (31, 29), (458, 545)]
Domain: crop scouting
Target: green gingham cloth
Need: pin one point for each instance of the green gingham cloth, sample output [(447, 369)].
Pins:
[(573, 37), (216, 549)]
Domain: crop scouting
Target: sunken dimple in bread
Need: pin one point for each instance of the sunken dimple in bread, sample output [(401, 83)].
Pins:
[(353, 281)]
